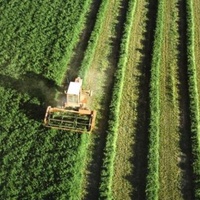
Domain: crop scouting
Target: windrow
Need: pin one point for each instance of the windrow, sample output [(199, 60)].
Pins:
[(194, 93), (153, 157)]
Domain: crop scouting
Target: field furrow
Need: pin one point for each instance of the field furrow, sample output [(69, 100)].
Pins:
[(186, 157), (114, 109)]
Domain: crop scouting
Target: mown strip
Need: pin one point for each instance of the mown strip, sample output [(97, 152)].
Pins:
[(130, 163), (89, 53), (152, 186), (169, 124), (110, 149), (194, 96)]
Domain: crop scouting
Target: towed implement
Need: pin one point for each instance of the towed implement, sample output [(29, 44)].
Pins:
[(73, 114)]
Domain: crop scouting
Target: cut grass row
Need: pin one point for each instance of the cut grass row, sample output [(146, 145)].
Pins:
[(152, 185), (193, 90), (113, 123), (164, 179)]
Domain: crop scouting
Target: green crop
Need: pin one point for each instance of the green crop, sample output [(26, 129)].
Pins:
[(36, 45)]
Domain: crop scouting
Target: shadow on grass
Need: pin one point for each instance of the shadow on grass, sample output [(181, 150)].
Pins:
[(186, 158), (36, 86)]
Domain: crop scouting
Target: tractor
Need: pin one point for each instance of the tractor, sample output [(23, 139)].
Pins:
[(73, 115)]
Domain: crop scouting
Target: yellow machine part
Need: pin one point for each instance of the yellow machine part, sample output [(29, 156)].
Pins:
[(74, 120)]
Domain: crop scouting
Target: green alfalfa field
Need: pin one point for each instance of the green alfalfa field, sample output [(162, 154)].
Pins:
[(140, 58)]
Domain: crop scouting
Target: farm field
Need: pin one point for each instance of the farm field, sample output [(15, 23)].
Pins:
[(140, 59)]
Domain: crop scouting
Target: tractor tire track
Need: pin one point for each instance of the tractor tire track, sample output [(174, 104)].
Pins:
[(169, 124)]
